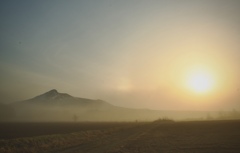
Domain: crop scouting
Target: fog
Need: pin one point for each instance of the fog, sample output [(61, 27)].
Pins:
[(143, 59), (53, 106)]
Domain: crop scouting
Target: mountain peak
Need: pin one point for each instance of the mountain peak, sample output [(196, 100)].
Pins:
[(52, 95), (53, 91)]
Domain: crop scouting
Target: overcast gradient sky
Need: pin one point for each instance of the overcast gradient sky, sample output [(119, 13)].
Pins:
[(128, 53)]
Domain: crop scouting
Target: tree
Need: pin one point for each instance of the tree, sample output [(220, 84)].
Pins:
[(75, 118)]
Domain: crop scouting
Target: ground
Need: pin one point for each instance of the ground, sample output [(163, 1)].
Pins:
[(155, 137)]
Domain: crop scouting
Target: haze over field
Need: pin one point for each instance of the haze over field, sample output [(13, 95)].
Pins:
[(161, 55), (54, 106)]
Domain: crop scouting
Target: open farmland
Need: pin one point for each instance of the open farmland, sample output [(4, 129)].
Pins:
[(30, 129), (197, 136)]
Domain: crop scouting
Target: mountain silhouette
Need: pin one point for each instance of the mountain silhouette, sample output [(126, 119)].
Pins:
[(53, 98), (55, 106)]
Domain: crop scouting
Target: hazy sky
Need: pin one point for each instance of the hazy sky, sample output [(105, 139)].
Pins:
[(131, 53)]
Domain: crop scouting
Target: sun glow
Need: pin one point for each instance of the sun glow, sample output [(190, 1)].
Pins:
[(200, 81)]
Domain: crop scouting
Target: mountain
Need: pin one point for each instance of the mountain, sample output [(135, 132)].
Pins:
[(55, 106), (55, 99), (52, 95)]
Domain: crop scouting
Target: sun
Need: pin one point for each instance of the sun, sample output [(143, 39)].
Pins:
[(200, 81)]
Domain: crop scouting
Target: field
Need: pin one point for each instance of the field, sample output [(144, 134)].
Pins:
[(125, 137)]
